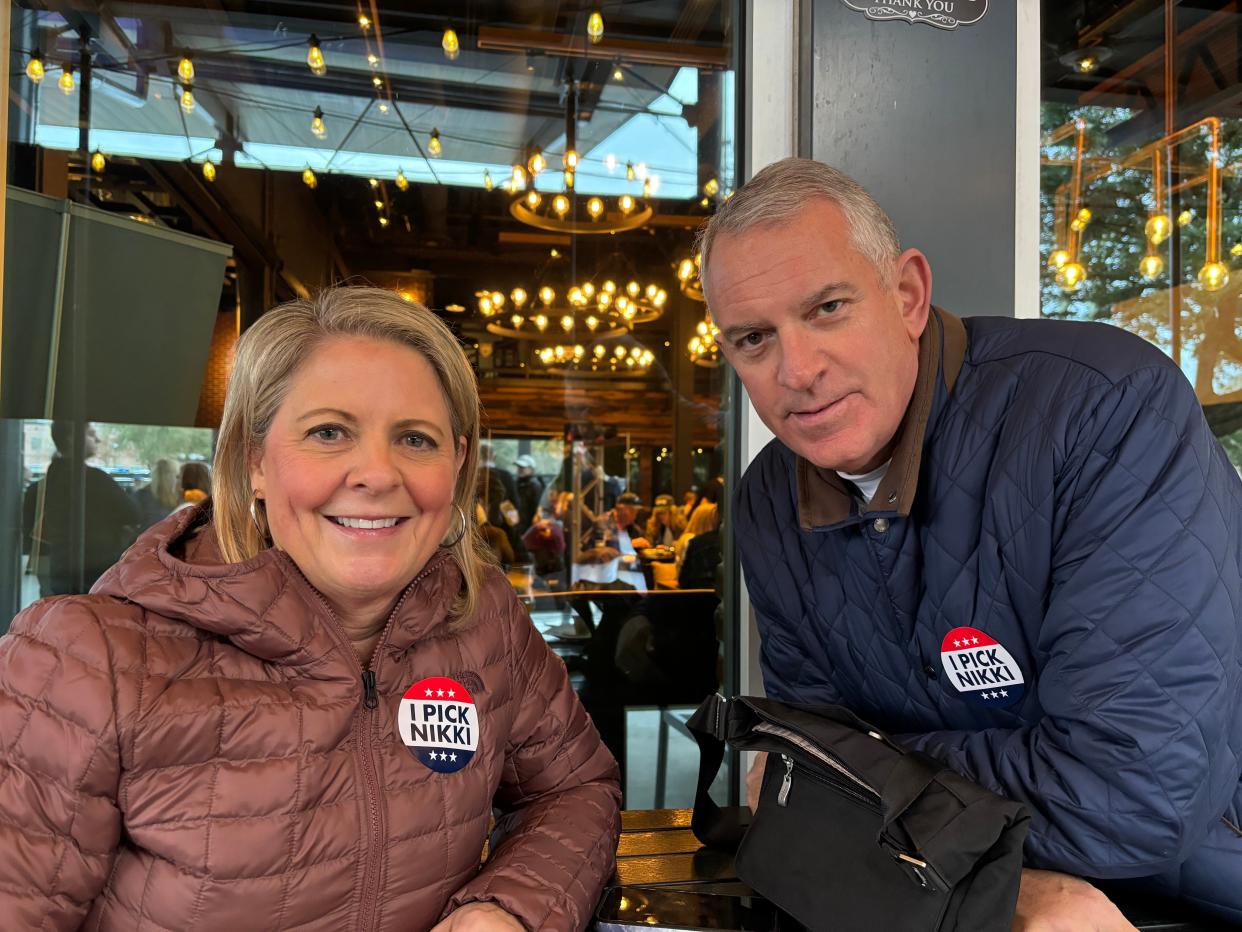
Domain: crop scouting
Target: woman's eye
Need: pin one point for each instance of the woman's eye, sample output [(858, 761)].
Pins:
[(419, 442), (327, 434)]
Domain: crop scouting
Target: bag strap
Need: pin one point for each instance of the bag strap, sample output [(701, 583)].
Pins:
[(713, 825)]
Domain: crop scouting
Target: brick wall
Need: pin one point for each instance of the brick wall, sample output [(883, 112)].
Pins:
[(219, 366)]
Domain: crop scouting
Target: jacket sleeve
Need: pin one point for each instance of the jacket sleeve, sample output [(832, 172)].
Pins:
[(1140, 657), (59, 766), (560, 792)]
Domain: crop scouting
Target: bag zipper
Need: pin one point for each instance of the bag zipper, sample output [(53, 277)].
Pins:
[(804, 745), (837, 786)]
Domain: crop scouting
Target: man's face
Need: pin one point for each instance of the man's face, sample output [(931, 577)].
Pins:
[(626, 514), (827, 351)]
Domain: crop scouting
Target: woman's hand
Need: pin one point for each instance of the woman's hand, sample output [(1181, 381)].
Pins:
[(479, 917), (1053, 902)]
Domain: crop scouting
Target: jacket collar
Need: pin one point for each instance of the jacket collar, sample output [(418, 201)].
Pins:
[(263, 605), (824, 498)]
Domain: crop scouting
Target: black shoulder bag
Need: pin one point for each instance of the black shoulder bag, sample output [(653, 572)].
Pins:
[(853, 833)]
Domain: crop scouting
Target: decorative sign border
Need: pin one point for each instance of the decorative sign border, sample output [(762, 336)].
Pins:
[(938, 13)]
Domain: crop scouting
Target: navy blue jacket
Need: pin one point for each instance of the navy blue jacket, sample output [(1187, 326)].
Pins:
[(1045, 593)]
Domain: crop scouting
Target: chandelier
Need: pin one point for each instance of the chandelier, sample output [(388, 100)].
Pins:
[(568, 212), (600, 311), (688, 277), (702, 348), (596, 358)]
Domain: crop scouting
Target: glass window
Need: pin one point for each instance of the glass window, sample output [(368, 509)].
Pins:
[(1140, 188), (173, 174)]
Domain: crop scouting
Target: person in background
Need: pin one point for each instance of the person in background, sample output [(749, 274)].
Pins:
[(497, 540), (305, 703), (160, 496), (529, 492), (195, 483), (704, 520), (1013, 544), (666, 522), (689, 500), (69, 558), (700, 555)]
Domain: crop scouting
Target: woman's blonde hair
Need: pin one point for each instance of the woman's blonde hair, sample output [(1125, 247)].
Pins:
[(164, 483), (272, 351)]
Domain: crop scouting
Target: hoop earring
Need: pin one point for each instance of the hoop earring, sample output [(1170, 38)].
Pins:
[(254, 516), (460, 534)]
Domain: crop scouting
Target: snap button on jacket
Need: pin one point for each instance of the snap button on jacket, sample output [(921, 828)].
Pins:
[(189, 747)]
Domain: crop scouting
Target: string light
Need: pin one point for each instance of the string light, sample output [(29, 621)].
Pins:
[(618, 74), (364, 21), (488, 184), (629, 171), (309, 179), (209, 170), (34, 68), (569, 178), (66, 82), (98, 162), (317, 125), (610, 162), (450, 44), (185, 69), (314, 57), (1158, 228), (377, 81), (1213, 276), (434, 145), (595, 26), (372, 60), (401, 181), (186, 99)]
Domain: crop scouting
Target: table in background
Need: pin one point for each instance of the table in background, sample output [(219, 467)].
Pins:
[(658, 849)]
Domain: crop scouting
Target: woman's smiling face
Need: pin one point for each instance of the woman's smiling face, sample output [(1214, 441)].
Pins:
[(358, 468)]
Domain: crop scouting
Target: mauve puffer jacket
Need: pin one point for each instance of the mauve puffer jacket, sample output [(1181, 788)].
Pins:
[(191, 747)]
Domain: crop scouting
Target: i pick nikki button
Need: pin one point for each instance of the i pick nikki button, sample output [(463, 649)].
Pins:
[(980, 668), (439, 722)]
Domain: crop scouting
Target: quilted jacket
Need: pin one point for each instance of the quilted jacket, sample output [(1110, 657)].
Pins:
[(195, 746), (1045, 593)]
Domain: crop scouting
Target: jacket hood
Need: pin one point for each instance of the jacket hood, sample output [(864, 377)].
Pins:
[(263, 605)]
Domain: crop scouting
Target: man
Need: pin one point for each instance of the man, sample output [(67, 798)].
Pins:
[(1015, 545), (70, 556), (529, 492)]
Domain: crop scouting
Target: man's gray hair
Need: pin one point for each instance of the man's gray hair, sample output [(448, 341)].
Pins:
[(781, 191)]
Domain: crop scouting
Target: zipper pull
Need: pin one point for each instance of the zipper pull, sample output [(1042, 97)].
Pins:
[(786, 782), (370, 696)]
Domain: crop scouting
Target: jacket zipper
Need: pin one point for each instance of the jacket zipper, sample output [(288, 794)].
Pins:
[(802, 743), (363, 730)]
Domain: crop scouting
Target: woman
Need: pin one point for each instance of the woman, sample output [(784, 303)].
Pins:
[(159, 497), (195, 483), (296, 705), (666, 522)]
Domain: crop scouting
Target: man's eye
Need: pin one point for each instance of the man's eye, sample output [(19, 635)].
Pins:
[(829, 307), (751, 340)]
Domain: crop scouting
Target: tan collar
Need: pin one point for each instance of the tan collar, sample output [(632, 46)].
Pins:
[(824, 499)]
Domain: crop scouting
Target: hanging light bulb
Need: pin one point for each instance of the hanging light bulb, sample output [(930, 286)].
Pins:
[(560, 204), (377, 81), (617, 73), (626, 203), (98, 162), (309, 179), (1185, 217), (712, 187), (536, 163), (629, 171), (66, 82), (401, 181), (317, 125), (570, 159), (595, 26), (450, 44), (488, 184), (518, 296), (1235, 250), (364, 21), (569, 178), (1058, 258), (648, 188), (186, 99), (1084, 215), (314, 57), (1158, 228), (185, 69), (34, 68), (1213, 276), (434, 145), (610, 162), (547, 295), (641, 171), (209, 170), (519, 177), (595, 207), (1150, 266), (1071, 275), (532, 200)]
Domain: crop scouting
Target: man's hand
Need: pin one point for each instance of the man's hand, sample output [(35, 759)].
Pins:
[(640, 543), (1052, 902), (754, 780), (479, 917)]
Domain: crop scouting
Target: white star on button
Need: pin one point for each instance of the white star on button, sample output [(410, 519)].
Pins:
[(429, 693), (974, 640), (957, 643), (452, 757), (440, 693), (1004, 694), (452, 693)]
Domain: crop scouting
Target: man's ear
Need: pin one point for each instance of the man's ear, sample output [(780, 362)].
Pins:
[(912, 287)]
